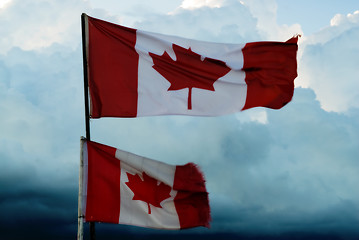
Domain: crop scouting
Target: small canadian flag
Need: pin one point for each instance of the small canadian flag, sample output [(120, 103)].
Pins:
[(121, 187)]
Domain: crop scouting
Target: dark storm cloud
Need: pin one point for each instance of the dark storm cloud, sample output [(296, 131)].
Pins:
[(33, 209)]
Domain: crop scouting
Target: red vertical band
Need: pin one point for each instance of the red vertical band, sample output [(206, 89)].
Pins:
[(270, 68), (103, 185), (113, 69), (191, 201)]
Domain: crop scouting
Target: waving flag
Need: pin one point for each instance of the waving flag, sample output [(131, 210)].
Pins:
[(134, 73), (120, 187)]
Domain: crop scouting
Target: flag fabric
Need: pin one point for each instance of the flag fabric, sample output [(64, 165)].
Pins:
[(134, 73), (121, 187)]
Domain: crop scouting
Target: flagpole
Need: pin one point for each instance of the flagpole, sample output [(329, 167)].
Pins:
[(80, 222), (84, 54), (84, 28)]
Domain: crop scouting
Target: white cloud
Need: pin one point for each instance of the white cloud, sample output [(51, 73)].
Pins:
[(231, 23), (38, 24), (231, 20), (3, 3), (34, 25), (37, 92), (266, 14), (193, 4), (329, 64), (340, 19)]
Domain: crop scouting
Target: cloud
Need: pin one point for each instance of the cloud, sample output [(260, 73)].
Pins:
[(270, 173), (266, 14), (193, 4), (41, 208), (296, 174), (34, 25), (3, 3), (329, 64), (340, 19), (24, 29), (38, 150), (231, 23)]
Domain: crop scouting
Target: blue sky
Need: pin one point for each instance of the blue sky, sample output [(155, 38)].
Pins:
[(271, 174)]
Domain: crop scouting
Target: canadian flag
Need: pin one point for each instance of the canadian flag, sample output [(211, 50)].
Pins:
[(135, 73), (121, 187)]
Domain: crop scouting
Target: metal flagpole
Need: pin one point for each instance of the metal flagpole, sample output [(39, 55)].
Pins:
[(84, 26)]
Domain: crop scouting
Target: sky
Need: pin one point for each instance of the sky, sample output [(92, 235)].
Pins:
[(271, 174)]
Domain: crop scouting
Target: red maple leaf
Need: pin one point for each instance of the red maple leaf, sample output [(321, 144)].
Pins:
[(189, 71), (147, 190)]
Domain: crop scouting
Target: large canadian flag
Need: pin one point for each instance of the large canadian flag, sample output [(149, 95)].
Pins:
[(135, 73), (121, 187)]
